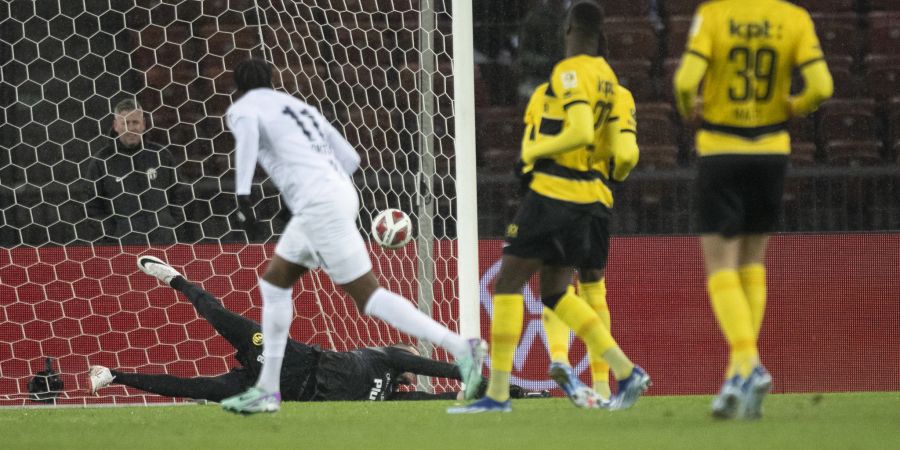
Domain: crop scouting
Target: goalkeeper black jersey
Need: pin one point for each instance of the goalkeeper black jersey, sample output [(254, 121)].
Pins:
[(372, 373)]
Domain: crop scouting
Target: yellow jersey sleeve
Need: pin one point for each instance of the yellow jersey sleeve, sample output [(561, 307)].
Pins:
[(620, 145), (808, 48), (700, 36), (622, 119), (570, 84), (532, 119), (535, 107), (624, 110)]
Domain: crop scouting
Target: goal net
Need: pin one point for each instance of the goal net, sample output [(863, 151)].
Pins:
[(74, 221)]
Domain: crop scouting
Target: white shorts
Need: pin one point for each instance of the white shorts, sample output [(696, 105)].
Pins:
[(324, 234)]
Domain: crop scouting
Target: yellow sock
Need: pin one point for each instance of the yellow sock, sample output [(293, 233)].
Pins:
[(730, 307), (557, 336), (753, 281), (581, 318), (595, 294), (506, 329)]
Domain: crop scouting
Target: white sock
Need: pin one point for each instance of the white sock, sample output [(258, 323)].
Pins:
[(278, 311), (399, 313)]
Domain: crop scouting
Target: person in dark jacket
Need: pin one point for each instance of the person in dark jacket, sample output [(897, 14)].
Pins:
[(136, 185)]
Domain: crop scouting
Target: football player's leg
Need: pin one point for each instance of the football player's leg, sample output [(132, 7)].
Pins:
[(592, 288), (558, 334), (576, 313), (400, 313), (239, 331), (276, 288), (335, 243), (506, 324), (729, 303), (200, 388), (753, 276), (582, 319)]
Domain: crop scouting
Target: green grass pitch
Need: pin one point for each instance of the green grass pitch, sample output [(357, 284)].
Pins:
[(858, 420)]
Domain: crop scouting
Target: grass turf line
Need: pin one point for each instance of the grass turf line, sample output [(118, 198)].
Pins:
[(852, 420)]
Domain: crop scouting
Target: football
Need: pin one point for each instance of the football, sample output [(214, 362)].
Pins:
[(392, 228)]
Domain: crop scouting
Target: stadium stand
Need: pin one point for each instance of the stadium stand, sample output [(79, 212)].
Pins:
[(632, 38), (827, 5), (839, 34), (854, 153), (175, 43), (636, 75), (847, 120), (884, 32)]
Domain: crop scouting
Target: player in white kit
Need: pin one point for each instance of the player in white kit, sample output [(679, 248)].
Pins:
[(310, 163)]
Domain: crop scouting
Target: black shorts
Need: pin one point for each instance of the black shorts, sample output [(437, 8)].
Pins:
[(555, 232), (599, 252), (740, 194)]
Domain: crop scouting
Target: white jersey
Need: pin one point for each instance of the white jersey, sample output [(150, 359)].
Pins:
[(297, 147)]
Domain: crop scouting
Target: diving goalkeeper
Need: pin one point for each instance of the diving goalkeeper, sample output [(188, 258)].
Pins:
[(308, 374)]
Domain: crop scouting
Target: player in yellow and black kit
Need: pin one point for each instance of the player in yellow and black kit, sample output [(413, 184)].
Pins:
[(552, 231), (618, 152), (744, 53)]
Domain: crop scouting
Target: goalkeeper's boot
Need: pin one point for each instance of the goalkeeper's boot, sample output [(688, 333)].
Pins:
[(254, 400), (483, 405), (727, 403), (99, 377), (157, 268), (470, 366), (630, 389), (754, 391), (579, 393)]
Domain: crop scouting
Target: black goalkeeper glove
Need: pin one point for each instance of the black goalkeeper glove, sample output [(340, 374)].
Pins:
[(245, 217)]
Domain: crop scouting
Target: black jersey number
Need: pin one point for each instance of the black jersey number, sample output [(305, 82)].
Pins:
[(755, 71), (288, 111), (601, 112)]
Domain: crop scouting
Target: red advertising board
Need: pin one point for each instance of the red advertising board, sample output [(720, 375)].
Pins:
[(832, 323)]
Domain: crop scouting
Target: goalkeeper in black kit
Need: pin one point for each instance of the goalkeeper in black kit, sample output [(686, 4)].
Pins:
[(308, 373)]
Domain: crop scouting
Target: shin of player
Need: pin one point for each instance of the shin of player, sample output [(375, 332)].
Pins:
[(310, 162), (558, 334)]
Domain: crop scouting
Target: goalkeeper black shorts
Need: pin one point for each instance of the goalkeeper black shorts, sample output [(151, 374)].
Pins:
[(740, 194)]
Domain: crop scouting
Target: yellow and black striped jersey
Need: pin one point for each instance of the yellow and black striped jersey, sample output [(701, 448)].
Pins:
[(571, 176), (751, 48)]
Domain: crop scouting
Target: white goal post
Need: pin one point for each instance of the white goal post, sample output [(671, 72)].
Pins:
[(466, 185)]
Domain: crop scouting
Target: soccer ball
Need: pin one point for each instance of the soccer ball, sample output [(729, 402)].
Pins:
[(392, 228)]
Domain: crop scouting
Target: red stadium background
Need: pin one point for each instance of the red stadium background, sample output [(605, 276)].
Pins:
[(832, 323)]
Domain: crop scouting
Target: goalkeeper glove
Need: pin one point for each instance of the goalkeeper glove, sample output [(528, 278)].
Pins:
[(245, 217)]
